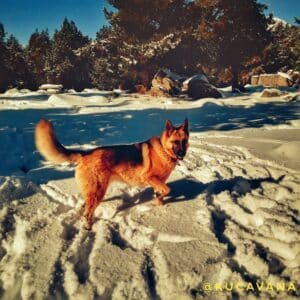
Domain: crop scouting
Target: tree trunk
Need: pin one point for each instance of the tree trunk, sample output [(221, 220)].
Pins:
[(235, 79), (235, 85)]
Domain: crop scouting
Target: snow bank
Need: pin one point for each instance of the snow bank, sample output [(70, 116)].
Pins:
[(74, 100), (288, 151), (15, 93)]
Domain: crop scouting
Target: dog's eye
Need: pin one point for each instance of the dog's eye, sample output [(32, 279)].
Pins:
[(184, 142), (176, 143)]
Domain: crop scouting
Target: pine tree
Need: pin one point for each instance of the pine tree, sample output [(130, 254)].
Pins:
[(63, 65), (18, 74), (297, 56), (4, 70), (38, 49), (145, 36), (240, 31), (296, 44), (185, 36), (106, 71), (283, 51)]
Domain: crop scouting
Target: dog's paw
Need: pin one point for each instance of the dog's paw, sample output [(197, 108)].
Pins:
[(158, 202), (88, 226), (164, 190)]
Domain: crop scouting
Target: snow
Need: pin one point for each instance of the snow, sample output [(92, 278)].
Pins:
[(232, 216), (285, 75), (51, 86), (277, 22), (201, 77)]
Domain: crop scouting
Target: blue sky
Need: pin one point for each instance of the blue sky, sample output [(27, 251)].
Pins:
[(22, 17)]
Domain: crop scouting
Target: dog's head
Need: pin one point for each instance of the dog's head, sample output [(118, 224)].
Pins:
[(175, 139)]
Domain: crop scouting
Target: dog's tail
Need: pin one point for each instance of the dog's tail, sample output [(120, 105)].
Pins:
[(48, 145)]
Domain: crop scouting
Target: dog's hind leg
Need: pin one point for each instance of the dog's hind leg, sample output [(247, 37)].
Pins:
[(93, 199), (93, 186)]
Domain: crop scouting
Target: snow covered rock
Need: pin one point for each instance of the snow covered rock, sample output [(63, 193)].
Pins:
[(271, 93), (200, 77), (167, 82), (51, 88), (11, 91)]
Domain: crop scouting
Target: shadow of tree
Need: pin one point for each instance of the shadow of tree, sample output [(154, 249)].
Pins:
[(119, 127), (41, 97)]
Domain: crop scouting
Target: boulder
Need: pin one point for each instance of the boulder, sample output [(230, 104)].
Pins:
[(140, 89), (254, 80), (167, 82), (12, 92), (197, 77), (295, 77), (51, 88), (53, 91), (198, 87), (157, 92), (268, 93), (272, 80), (127, 84)]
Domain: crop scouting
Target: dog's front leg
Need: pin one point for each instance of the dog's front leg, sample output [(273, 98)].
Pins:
[(160, 188)]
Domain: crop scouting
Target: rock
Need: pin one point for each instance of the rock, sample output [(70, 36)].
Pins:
[(268, 93), (296, 97), (53, 91), (94, 90), (127, 84), (167, 82), (12, 92), (272, 80), (51, 86), (140, 89), (72, 91), (295, 78), (200, 89), (199, 77), (254, 80), (157, 92), (25, 91)]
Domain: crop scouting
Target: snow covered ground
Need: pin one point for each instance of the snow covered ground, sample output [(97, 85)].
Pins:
[(230, 228)]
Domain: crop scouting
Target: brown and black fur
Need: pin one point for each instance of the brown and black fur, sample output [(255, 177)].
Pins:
[(147, 163)]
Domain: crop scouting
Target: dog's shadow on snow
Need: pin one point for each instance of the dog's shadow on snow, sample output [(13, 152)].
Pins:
[(187, 189)]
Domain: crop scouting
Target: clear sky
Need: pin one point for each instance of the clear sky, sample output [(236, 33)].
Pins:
[(22, 17)]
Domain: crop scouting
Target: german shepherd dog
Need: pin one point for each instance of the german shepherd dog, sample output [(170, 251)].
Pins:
[(147, 163)]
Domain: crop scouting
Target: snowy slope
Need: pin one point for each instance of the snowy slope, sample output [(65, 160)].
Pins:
[(232, 216)]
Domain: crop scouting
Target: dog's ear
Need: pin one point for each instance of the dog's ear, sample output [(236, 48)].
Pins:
[(185, 126), (169, 127)]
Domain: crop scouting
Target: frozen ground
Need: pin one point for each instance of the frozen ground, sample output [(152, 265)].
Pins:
[(232, 217)]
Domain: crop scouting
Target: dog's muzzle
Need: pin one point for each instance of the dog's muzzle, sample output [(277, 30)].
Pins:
[(180, 155)]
